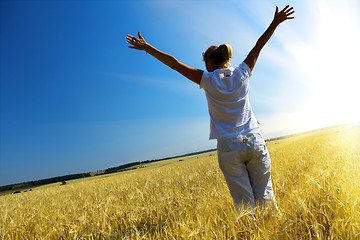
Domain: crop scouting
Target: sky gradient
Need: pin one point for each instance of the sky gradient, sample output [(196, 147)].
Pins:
[(75, 98)]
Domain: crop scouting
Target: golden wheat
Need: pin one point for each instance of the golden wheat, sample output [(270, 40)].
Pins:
[(315, 178)]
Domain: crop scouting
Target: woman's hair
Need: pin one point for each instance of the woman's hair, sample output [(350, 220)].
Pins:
[(220, 54)]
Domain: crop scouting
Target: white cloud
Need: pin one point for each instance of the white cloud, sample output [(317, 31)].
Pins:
[(177, 84)]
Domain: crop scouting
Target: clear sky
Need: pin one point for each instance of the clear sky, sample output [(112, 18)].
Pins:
[(75, 98)]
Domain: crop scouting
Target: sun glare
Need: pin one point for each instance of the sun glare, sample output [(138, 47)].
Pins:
[(332, 63)]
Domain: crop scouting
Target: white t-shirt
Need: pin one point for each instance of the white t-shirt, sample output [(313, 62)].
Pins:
[(227, 93)]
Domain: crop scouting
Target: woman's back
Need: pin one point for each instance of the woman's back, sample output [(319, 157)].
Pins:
[(228, 101)]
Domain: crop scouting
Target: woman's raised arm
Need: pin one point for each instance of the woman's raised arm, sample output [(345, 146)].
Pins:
[(279, 17), (191, 73)]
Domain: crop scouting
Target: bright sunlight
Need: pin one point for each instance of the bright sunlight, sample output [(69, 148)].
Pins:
[(331, 62)]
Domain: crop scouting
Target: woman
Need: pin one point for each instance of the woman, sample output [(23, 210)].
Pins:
[(242, 153)]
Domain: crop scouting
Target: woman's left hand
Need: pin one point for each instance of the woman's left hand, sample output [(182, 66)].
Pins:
[(137, 43)]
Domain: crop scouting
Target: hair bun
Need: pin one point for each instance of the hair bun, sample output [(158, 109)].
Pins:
[(226, 50), (221, 54)]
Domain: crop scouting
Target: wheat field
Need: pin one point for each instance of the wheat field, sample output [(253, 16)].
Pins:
[(315, 177)]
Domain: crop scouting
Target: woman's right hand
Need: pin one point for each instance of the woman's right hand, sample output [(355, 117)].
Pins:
[(283, 15)]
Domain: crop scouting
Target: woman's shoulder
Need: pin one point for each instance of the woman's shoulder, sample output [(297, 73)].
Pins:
[(206, 76), (244, 69)]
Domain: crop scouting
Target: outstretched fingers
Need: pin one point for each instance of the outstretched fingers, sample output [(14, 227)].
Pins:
[(129, 39), (139, 34), (288, 11), (132, 40), (137, 43), (284, 14)]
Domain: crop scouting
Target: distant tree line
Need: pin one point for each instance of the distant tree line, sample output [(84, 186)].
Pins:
[(43, 182), (63, 179)]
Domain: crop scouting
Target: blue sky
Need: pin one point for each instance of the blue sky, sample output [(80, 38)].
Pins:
[(75, 98)]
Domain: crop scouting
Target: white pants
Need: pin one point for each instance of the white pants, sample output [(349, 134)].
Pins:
[(245, 163)]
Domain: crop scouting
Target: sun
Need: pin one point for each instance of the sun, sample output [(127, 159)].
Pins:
[(334, 66)]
